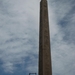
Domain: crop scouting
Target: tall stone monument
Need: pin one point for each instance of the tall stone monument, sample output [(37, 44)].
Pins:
[(44, 41)]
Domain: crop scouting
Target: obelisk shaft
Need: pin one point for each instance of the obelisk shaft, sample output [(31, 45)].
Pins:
[(44, 41)]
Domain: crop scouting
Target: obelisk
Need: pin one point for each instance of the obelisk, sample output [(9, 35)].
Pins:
[(45, 67)]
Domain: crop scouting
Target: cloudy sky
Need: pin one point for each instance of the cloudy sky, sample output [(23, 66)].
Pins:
[(19, 36)]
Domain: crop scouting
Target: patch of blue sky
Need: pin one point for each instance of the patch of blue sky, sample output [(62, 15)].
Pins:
[(67, 19)]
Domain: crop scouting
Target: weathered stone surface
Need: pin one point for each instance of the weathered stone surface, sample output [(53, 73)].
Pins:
[(44, 41)]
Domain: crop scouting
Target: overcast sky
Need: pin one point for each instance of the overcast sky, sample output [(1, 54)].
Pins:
[(19, 36)]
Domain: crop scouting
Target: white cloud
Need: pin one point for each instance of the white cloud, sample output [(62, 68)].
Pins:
[(18, 27), (8, 67), (62, 50)]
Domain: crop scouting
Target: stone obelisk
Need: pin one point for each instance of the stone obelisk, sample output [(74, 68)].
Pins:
[(45, 67)]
